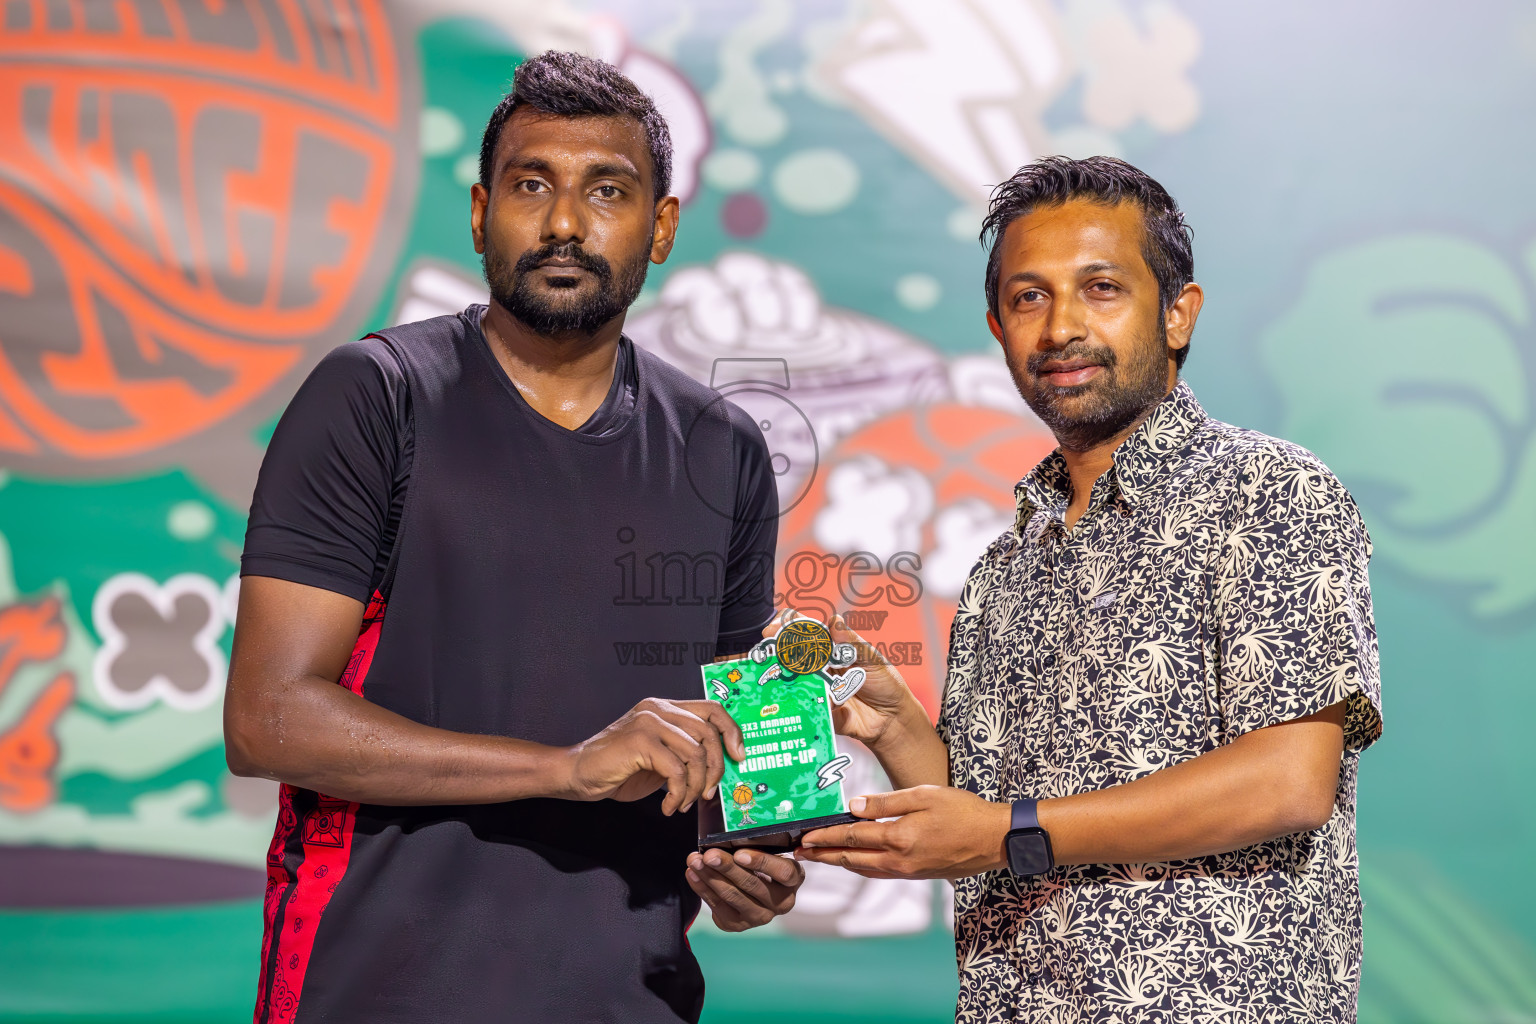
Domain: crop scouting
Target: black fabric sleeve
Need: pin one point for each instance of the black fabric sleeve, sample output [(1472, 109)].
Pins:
[(326, 503), (748, 602)]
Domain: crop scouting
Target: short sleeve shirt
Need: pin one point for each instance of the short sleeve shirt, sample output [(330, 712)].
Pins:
[(1215, 585)]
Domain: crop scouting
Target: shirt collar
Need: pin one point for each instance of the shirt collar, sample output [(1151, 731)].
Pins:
[(1138, 462)]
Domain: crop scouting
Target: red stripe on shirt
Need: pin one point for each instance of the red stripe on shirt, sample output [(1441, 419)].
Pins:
[(306, 862)]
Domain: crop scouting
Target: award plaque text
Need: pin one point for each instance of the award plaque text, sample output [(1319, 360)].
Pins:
[(791, 780)]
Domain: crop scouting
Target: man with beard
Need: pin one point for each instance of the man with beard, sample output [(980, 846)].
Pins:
[(497, 531), (1160, 678)]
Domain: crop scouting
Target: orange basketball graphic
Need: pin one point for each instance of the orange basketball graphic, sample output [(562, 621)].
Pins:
[(804, 647), (189, 218), (962, 460)]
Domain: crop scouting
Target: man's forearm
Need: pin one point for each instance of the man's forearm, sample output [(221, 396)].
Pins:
[(1269, 783), (321, 736), (910, 750)]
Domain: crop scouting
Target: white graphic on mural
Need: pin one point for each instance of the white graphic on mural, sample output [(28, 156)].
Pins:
[(844, 369), (983, 380), (961, 533), (963, 86), (159, 643), (181, 820), (229, 597), (674, 95), (431, 289), (960, 86), (741, 98), (874, 507), (250, 798), (1134, 73)]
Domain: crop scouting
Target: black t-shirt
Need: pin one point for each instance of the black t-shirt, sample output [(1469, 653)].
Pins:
[(522, 580), (333, 484)]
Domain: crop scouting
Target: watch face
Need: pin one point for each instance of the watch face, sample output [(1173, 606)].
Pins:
[(1029, 852)]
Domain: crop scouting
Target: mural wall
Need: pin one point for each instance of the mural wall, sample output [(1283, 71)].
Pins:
[(198, 199)]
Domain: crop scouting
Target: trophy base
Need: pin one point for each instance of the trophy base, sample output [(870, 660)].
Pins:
[(784, 835)]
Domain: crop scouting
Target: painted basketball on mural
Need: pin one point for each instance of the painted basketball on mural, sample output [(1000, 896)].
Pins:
[(899, 513), (189, 219)]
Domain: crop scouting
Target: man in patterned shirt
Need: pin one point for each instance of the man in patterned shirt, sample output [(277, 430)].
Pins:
[(1160, 679)]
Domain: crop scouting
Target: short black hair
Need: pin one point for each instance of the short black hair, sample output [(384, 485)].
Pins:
[(1167, 242), (573, 85)]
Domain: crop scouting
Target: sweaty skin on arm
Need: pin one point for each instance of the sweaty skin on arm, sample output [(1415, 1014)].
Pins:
[(285, 718)]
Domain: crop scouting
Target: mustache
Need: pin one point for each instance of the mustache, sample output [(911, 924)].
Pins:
[(1087, 353), (597, 265)]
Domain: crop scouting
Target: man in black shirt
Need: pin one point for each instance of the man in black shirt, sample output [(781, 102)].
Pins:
[(454, 522)]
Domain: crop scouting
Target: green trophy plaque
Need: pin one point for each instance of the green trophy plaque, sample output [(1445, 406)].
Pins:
[(791, 780)]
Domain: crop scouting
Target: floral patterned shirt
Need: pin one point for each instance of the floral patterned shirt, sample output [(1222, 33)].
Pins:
[(1215, 585)]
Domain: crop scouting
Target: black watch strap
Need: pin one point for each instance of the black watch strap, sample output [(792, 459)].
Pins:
[(1024, 815)]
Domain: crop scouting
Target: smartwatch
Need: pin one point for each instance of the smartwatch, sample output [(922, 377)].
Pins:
[(1028, 845)]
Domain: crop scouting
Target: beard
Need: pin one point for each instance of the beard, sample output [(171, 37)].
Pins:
[(563, 309), (1089, 414)]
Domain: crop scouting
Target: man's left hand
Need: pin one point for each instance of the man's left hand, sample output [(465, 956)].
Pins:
[(744, 888), (938, 832)]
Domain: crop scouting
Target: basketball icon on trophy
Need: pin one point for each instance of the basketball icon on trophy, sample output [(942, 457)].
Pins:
[(804, 647), (743, 798)]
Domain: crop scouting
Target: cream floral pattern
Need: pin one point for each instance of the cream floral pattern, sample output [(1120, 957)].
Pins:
[(1217, 584)]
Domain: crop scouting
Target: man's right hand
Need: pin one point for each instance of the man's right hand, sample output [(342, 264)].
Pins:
[(884, 714), (879, 702), (677, 744), (869, 713)]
